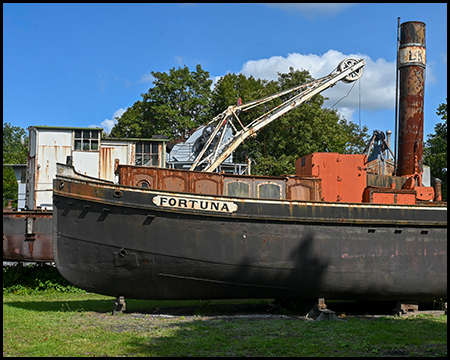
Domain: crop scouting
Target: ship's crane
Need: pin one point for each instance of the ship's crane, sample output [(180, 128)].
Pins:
[(216, 149)]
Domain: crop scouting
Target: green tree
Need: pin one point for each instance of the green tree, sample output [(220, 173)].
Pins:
[(435, 149), (15, 151), (181, 100), (231, 87), (177, 104)]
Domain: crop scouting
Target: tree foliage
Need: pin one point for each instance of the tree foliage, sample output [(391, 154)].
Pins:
[(435, 149), (15, 151), (176, 104)]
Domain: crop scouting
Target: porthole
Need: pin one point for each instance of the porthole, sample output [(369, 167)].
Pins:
[(143, 184)]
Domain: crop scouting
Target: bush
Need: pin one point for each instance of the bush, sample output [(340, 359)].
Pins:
[(32, 278)]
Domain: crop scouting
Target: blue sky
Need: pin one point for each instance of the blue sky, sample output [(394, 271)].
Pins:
[(84, 64)]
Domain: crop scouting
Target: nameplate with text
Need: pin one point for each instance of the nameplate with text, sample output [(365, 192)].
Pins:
[(196, 204)]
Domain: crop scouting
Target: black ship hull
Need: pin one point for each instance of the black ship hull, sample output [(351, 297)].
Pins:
[(149, 244)]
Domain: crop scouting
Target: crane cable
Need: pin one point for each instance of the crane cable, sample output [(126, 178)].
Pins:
[(345, 95)]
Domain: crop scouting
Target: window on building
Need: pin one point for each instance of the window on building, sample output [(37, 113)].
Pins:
[(86, 140), (146, 153)]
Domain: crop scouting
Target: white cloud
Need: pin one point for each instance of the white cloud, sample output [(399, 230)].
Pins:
[(108, 124), (429, 73), (377, 84), (346, 113), (146, 78), (214, 79), (312, 10), (179, 59)]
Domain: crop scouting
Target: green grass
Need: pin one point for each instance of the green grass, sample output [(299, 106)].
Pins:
[(80, 324)]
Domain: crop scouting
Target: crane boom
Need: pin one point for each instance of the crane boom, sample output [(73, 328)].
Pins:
[(348, 71)]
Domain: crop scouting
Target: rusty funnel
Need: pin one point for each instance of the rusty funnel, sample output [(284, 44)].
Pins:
[(411, 101)]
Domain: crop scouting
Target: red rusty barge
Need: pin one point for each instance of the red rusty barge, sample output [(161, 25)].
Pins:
[(27, 235)]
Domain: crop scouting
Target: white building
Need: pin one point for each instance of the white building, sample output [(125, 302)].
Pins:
[(90, 155)]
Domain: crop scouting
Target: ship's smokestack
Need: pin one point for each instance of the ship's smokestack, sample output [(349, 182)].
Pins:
[(412, 67)]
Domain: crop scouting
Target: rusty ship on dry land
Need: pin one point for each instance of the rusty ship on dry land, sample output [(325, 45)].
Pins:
[(335, 229)]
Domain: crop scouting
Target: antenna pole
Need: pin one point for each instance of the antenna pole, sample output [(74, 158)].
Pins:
[(396, 99)]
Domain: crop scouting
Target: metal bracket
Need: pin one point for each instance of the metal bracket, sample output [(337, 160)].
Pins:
[(320, 312), (403, 308), (119, 305)]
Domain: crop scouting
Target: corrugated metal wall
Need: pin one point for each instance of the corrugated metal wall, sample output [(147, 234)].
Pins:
[(52, 147), (47, 146)]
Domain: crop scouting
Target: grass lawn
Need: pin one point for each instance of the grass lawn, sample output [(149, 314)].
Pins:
[(80, 324)]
